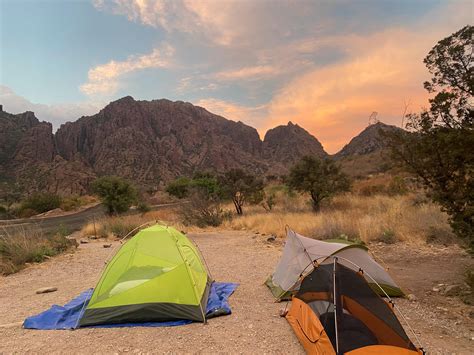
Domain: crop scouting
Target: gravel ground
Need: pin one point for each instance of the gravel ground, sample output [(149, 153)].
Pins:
[(254, 326)]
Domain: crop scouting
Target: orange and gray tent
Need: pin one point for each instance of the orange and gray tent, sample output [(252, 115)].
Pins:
[(300, 253), (156, 276), (335, 311)]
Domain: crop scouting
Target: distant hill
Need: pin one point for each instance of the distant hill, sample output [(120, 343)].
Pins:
[(367, 141), (367, 153), (287, 144)]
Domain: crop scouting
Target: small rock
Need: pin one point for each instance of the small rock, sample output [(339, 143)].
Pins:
[(442, 309), (83, 241), (411, 297), (93, 237), (46, 290), (452, 290), (435, 289), (107, 245), (250, 326), (272, 238)]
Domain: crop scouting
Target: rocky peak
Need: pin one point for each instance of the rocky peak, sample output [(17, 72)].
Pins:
[(287, 144), (368, 141)]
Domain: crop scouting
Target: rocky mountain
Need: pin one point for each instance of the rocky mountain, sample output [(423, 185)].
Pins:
[(148, 141), (287, 144), (368, 141), (28, 157), (152, 141)]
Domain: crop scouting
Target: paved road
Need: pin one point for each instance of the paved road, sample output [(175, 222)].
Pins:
[(71, 222)]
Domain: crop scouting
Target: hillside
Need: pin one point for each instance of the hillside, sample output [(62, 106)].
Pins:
[(371, 139)]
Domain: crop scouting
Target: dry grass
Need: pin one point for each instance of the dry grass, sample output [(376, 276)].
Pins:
[(120, 226), (366, 218), (27, 246), (407, 218)]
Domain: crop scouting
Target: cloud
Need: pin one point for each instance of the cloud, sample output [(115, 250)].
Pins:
[(310, 63), (57, 114), (104, 79), (253, 73), (382, 72)]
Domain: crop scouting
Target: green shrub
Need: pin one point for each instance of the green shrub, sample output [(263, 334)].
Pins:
[(117, 194), (41, 202), (179, 187), (143, 207)]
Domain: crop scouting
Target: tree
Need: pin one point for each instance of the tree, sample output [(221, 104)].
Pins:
[(117, 194), (240, 187), (322, 179), (204, 196), (439, 148)]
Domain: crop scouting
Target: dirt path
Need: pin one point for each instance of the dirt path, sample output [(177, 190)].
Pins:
[(254, 327)]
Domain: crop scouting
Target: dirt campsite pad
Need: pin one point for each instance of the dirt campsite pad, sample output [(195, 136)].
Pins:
[(444, 323)]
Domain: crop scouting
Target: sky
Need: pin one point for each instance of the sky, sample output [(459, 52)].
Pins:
[(325, 65)]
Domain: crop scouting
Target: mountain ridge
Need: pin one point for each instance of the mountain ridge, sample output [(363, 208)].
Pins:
[(147, 142)]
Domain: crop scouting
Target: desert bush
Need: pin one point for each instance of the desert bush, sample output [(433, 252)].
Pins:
[(29, 246), (269, 201), (117, 194), (388, 237), (70, 203), (203, 209), (143, 207), (179, 187), (40, 202)]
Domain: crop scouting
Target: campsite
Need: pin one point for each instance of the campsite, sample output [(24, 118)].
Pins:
[(253, 326), (237, 177)]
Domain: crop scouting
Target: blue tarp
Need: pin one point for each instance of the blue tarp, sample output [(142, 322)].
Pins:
[(67, 316)]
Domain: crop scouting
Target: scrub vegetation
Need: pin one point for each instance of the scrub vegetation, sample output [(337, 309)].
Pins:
[(30, 246)]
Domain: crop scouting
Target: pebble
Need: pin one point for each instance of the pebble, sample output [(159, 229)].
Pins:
[(107, 245), (46, 290), (411, 297), (84, 241), (452, 290)]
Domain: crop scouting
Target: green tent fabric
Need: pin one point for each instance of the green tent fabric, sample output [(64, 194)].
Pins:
[(158, 275)]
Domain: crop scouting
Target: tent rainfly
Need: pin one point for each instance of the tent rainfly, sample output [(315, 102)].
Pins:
[(156, 276), (335, 311), (301, 253)]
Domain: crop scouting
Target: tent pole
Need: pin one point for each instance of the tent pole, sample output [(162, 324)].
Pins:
[(335, 304)]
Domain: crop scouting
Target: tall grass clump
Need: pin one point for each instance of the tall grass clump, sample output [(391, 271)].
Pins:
[(368, 218), (121, 226), (29, 246)]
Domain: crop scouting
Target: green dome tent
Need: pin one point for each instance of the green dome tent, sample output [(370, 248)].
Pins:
[(158, 275)]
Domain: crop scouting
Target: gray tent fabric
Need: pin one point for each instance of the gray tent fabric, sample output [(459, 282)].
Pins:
[(300, 252)]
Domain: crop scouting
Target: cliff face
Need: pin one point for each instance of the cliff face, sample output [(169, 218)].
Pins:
[(287, 144), (28, 157), (150, 140)]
